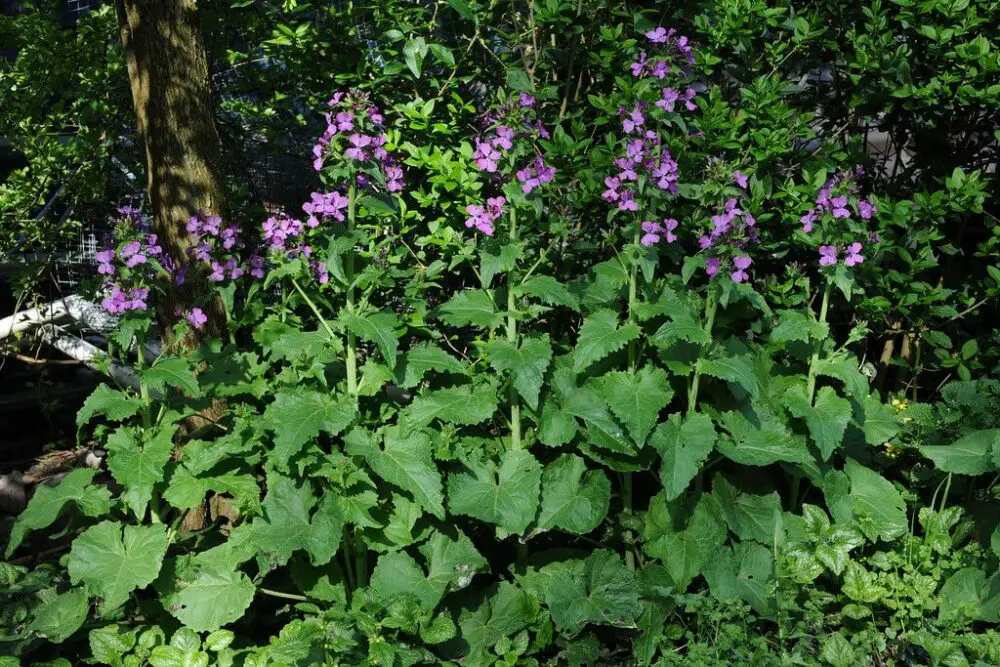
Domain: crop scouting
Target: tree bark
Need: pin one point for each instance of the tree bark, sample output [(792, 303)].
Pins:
[(168, 75)]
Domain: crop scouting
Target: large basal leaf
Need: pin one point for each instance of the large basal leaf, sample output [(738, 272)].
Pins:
[(682, 326), (186, 490), (972, 454), (750, 516), (599, 590), (525, 363), (405, 461), (491, 263), (378, 328), (573, 499), (845, 369), (470, 307), (456, 405), (115, 405), (683, 444), (637, 398), (738, 369), (599, 336), (289, 525), (827, 419), (59, 615), (505, 495), (683, 549), (760, 446), (451, 562), (208, 592), (548, 290), (137, 459), (878, 508), (397, 573), (509, 610), (114, 559), (48, 501), (298, 415), (744, 572)]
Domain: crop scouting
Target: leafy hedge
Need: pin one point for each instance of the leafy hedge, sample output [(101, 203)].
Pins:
[(550, 374)]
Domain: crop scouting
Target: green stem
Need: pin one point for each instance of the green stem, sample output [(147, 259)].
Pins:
[(817, 346), (360, 562), (515, 401), (279, 594), (633, 280), (143, 389), (352, 355), (711, 306), (313, 308), (627, 503)]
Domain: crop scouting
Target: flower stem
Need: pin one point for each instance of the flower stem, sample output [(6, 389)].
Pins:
[(817, 347), (633, 279), (360, 562), (515, 401), (351, 355), (286, 596), (313, 308), (711, 306), (627, 504)]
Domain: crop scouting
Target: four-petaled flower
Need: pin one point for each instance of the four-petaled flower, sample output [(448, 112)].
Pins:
[(742, 263), (827, 255), (197, 318), (853, 255)]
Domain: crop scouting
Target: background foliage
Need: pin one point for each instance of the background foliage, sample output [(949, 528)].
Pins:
[(556, 444)]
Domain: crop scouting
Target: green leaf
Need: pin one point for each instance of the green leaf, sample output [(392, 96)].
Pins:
[(599, 336), (505, 495), (682, 326), (110, 643), (455, 405), (750, 516), (451, 562), (599, 590), (378, 328), (137, 460), (470, 307), (743, 572), (794, 326), (173, 372), (876, 504), (526, 364), (509, 610), (736, 369), (425, 357), (684, 444), (683, 551), (115, 405), (573, 499), (969, 455), (827, 419), (397, 573), (287, 525), (548, 290), (298, 415), (48, 502), (209, 592), (443, 53), (491, 264), (637, 398), (846, 370), (413, 53), (185, 490), (881, 423), (405, 461), (59, 616), (760, 445), (114, 559)]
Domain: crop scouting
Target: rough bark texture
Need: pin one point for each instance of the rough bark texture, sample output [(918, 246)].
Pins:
[(168, 74)]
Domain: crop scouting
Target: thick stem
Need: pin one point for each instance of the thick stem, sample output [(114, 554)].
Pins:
[(352, 355), (817, 347), (515, 401), (360, 562), (633, 279), (711, 306), (627, 503)]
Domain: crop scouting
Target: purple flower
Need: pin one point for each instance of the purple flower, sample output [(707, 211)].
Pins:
[(323, 206), (135, 260), (658, 35), (669, 97), (484, 217), (652, 233), (742, 263), (105, 259), (740, 179), (358, 144), (807, 220), (486, 156), (639, 68), (218, 273), (197, 318), (660, 69), (853, 255), (129, 249), (256, 264), (866, 209), (840, 207), (345, 121), (535, 175), (827, 255), (669, 225), (712, 265), (627, 201), (634, 121), (613, 183), (527, 100), (151, 246)]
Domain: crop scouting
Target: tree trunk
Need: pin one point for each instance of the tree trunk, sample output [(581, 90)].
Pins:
[(168, 74)]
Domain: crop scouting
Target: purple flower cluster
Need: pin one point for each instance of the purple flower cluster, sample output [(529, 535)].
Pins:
[(121, 300), (355, 130), (323, 206), (220, 246), (128, 267), (653, 232), (641, 155), (671, 46), (828, 255), (535, 174), (484, 218), (735, 228)]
